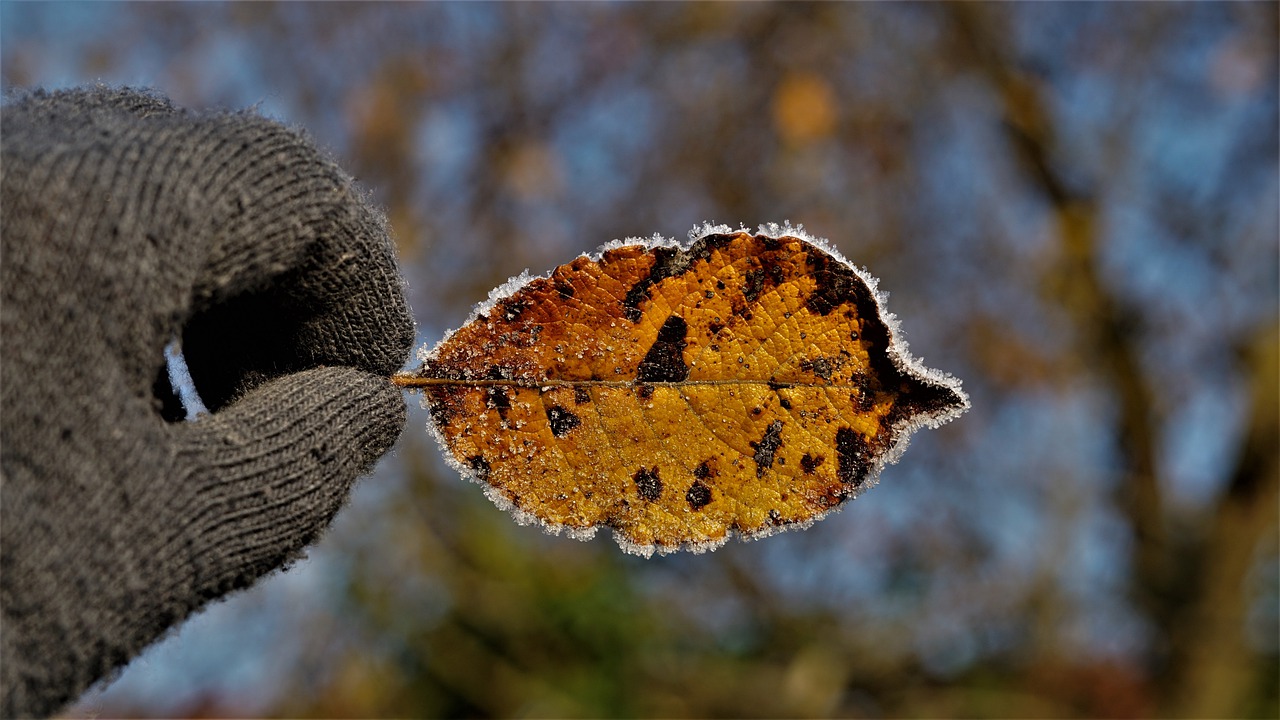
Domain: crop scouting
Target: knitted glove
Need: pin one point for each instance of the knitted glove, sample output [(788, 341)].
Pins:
[(128, 222)]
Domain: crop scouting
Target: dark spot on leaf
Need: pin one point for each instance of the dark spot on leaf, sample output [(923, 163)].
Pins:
[(442, 411), (837, 284), (810, 463), (496, 373), (513, 308), (581, 396), (719, 284), (852, 454), (833, 496), (704, 470), (785, 403), (777, 273), (818, 366), (644, 391), (755, 411), (665, 360), (499, 400), (668, 262), (715, 328), (648, 484), (865, 398), (920, 397), (564, 288), (699, 495), (767, 447), (753, 285), (562, 421), (480, 467)]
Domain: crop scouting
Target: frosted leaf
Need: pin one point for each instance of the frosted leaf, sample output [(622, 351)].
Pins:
[(735, 384)]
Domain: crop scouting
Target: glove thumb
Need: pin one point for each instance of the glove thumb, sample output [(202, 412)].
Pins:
[(269, 471)]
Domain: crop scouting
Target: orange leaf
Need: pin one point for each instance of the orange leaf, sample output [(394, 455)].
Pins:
[(679, 394)]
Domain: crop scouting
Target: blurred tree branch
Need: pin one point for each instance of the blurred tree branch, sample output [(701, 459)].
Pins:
[(1103, 326), (1213, 658), (1193, 590)]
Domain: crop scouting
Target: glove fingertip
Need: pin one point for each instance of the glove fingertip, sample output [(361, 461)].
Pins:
[(269, 471)]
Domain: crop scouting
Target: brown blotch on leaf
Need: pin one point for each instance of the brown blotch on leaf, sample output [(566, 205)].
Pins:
[(753, 285), (837, 284), (644, 391), (665, 360), (865, 398), (819, 366), (767, 447), (581, 395), (648, 484), (833, 496), (512, 308), (442, 411), (499, 400), (480, 467), (852, 452), (920, 397), (810, 463), (699, 495), (564, 289), (668, 262), (777, 274), (562, 421)]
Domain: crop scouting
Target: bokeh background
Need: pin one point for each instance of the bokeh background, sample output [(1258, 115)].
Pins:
[(1074, 208)]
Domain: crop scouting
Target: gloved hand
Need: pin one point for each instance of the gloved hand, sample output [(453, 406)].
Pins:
[(127, 223)]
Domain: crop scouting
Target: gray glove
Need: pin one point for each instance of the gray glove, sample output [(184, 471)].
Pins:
[(127, 223)]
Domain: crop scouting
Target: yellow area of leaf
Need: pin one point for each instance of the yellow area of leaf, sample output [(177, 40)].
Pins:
[(744, 384)]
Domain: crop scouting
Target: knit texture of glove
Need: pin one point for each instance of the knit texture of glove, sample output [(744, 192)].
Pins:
[(127, 223)]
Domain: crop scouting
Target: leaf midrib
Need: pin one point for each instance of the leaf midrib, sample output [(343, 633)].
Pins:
[(409, 380)]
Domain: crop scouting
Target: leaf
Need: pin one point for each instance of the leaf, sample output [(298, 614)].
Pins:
[(681, 394)]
